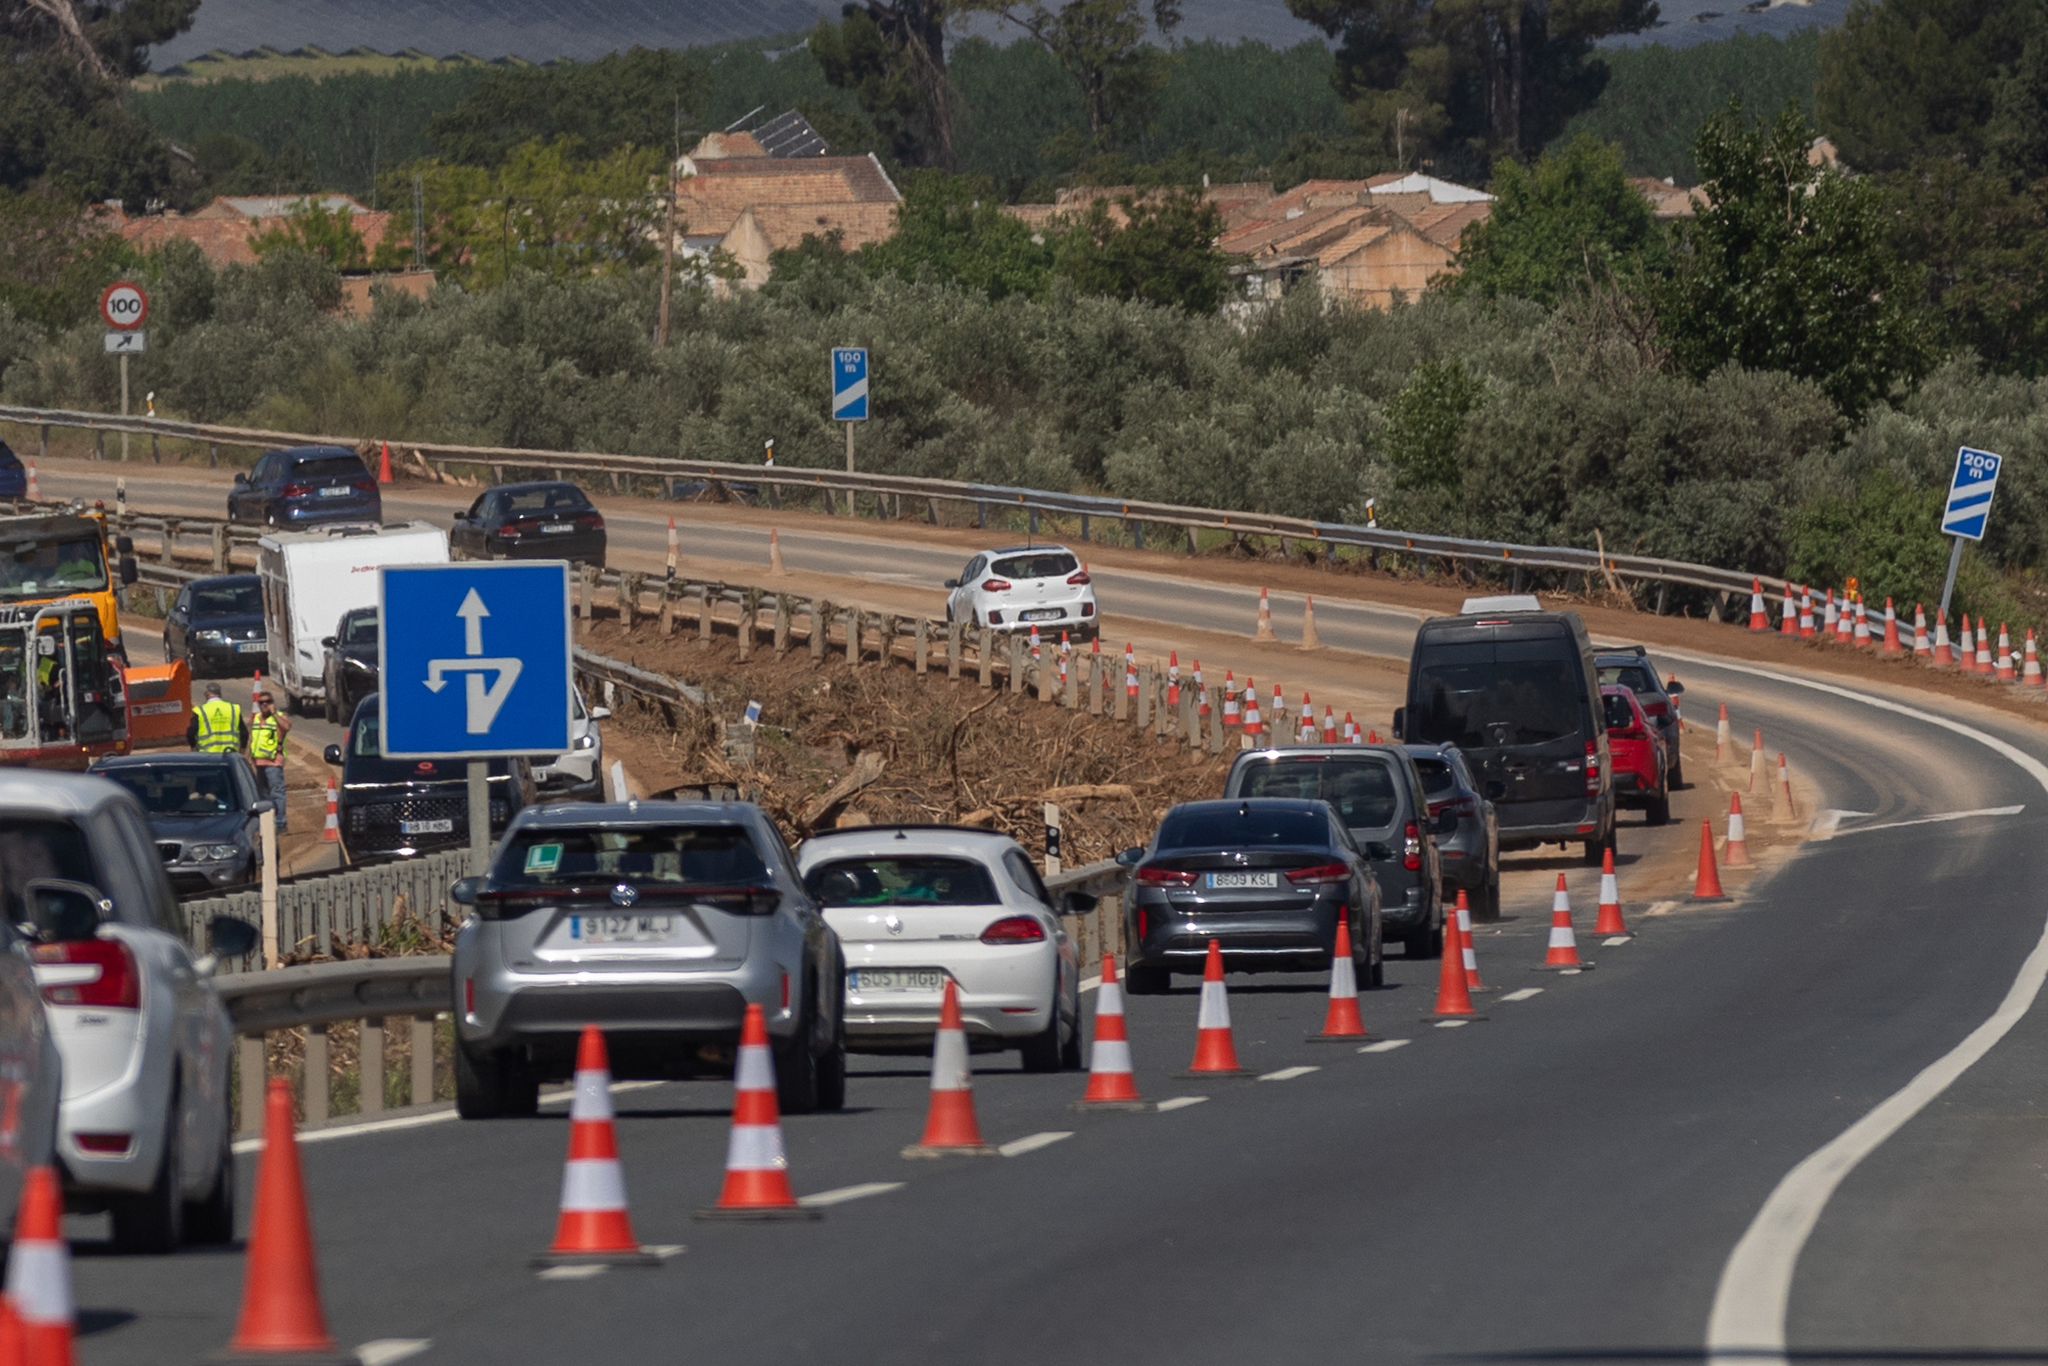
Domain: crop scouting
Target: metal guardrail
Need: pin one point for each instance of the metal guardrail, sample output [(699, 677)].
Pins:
[(349, 906), (444, 460)]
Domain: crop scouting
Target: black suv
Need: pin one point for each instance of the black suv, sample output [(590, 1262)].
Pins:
[(400, 808)]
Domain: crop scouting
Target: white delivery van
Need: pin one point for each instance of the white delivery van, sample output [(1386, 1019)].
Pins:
[(310, 578)]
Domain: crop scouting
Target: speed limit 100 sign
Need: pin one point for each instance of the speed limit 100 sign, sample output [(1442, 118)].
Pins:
[(124, 306)]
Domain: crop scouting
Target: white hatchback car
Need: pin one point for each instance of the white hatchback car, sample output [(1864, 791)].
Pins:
[(1013, 590), (143, 1126), (917, 905), (577, 772)]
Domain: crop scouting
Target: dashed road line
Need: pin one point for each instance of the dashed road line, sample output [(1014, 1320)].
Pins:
[(571, 1273), (1524, 994), (1662, 908), (1452, 1024), (1385, 1046), (1288, 1073), (1091, 984), (1031, 1143), (391, 1351), (1179, 1103), (1615, 940), (846, 1193)]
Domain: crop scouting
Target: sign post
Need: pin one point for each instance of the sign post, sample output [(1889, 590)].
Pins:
[(849, 396), (124, 307), (1970, 491), (500, 631)]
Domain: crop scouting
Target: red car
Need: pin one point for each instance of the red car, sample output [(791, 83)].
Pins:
[(1637, 748)]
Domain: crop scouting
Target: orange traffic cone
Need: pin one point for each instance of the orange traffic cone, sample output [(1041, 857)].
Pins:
[(1468, 953), (775, 564), (1944, 654), (1892, 644), (1706, 884), (1983, 648), (1787, 808), (1264, 630), (13, 1350), (1759, 619), (1756, 760), (1789, 626), (1307, 735), (1173, 680), (1610, 922), (1806, 613), (1737, 849), (2006, 672), (674, 548), (281, 1313), (2030, 669), (1453, 989), (35, 492), (330, 833), (1110, 1083), (1215, 1045), (1722, 739), (384, 465), (1563, 954), (1342, 1023), (756, 1169), (593, 1229), (1310, 638), (1969, 647), (950, 1128), (39, 1274), (1329, 725), (1230, 717)]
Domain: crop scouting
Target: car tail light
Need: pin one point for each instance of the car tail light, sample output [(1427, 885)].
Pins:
[(591, 521), (102, 974), (104, 1145), (296, 491), (1014, 929), (1152, 876), (1463, 806), (1079, 577), (1088, 609), (1320, 874), (511, 531), (469, 996), (995, 585), (1657, 709), (364, 487), (785, 992), (1592, 769), (1411, 847), (1627, 733), (1144, 924)]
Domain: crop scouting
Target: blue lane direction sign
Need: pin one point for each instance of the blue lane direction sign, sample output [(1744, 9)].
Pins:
[(473, 660), (849, 384), (1969, 494)]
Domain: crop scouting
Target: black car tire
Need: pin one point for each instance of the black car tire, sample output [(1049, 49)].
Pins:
[(1426, 942), (153, 1223), (492, 1086), (1487, 907), (796, 1069), (210, 1222), (1376, 973), (1659, 810), (1678, 775), (832, 1070), (1041, 1052), (1589, 852), (1070, 1052), (1143, 980)]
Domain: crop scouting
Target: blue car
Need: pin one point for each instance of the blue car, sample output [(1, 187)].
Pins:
[(13, 474), (306, 486)]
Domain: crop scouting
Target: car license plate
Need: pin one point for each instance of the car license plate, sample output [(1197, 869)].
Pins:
[(620, 929), (250, 647), (1229, 881), (335, 493), (1045, 614), (556, 528), (444, 826), (896, 979)]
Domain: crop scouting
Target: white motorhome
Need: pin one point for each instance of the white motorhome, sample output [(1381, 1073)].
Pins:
[(310, 578)]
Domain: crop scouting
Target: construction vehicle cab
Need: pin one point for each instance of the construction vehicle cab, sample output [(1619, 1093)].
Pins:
[(62, 698), (47, 558)]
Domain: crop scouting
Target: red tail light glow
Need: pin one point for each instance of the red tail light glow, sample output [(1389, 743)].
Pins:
[(1079, 577), (1592, 769), (995, 585), (1411, 847), (1153, 876), (1319, 875), (590, 521), (1014, 929), (102, 974), (105, 1145), (1656, 709)]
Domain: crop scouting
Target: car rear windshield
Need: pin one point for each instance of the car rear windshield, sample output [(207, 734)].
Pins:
[(180, 790), (368, 764), (656, 855), (561, 498), (1620, 715), (33, 849), (228, 600), (1635, 677), (1438, 778), (1227, 829), (1045, 565), (329, 467), (902, 881), (1362, 790), (1485, 694), (360, 630)]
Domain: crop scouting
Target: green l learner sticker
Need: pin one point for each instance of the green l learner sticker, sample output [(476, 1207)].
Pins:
[(544, 858)]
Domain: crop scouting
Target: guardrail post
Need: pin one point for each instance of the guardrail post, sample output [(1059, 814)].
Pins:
[(251, 1067), (819, 644), (1194, 542), (1033, 520), (156, 455), (99, 445), (956, 637), (1096, 676), (782, 623), (1085, 521), (749, 605), (853, 635), (931, 510), (1137, 535), (423, 1059), (921, 647), (1144, 716), (987, 658), (1016, 667), (704, 614), (1120, 701), (43, 442), (1045, 681), (981, 516), (220, 547), (666, 622), (313, 1088), (371, 1099), (212, 456)]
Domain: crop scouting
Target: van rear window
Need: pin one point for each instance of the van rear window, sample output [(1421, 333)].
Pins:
[(1486, 694)]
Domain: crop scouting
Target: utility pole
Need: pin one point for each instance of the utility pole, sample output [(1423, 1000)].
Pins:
[(419, 221), (668, 233)]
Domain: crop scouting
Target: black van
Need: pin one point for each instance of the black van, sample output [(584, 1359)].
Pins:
[(1519, 694)]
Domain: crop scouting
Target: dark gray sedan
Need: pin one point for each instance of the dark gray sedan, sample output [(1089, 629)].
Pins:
[(204, 812), (1270, 878)]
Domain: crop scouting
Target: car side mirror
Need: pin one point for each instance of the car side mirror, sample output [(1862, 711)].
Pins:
[(1077, 903), (1400, 718), (228, 936), (1131, 858), (463, 891), (600, 713), (1675, 688), (327, 642), (952, 583), (241, 479), (332, 754), (258, 808)]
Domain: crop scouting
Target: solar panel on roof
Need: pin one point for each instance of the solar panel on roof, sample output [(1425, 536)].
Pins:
[(789, 135)]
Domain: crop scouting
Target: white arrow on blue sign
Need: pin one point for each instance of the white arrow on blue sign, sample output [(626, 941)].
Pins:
[(849, 384), (1970, 493), (473, 660)]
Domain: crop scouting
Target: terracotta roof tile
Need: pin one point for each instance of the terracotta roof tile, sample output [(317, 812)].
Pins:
[(859, 225)]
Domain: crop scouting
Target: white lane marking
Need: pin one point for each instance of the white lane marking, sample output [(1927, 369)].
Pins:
[(662, 1252), (1385, 1046), (1825, 822), (846, 1193), (1661, 908), (1288, 1073), (397, 1123), (391, 1351), (1179, 1103), (572, 1273), (1943, 818), (1091, 983), (1753, 1299), (1524, 994), (1452, 1024), (1031, 1143), (1614, 941)]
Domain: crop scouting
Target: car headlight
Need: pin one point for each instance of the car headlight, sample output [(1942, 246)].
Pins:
[(214, 636), (587, 741), (210, 853)]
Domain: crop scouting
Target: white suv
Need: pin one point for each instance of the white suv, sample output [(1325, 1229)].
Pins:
[(1023, 587), (143, 1127)]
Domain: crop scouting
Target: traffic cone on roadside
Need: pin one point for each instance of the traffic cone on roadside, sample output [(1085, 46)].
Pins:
[(1830, 618), (950, 1126), (1307, 714), (1453, 989), (1788, 624), (2030, 670), (775, 564), (1173, 679), (1969, 647), (594, 1229), (1310, 639), (1215, 1045), (1264, 630), (1254, 726), (13, 1351), (1862, 632), (1845, 625), (1944, 653), (1468, 952), (2006, 672), (1922, 647), (1110, 1083), (1891, 630), (1329, 725), (1037, 646), (281, 1314), (330, 832), (1130, 672), (1722, 739), (35, 491), (39, 1274), (1756, 760), (1706, 885), (1610, 922), (1352, 735), (1983, 648), (1278, 720), (1563, 953), (1806, 613), (1736, 851), (1342, 1022), (674, 547), (756, 1167), (384, 464), (1230, 716), (1759, 619), (1787, 809)]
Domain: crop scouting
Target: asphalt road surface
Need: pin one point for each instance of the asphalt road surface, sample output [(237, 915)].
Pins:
[(1572, 1179)]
